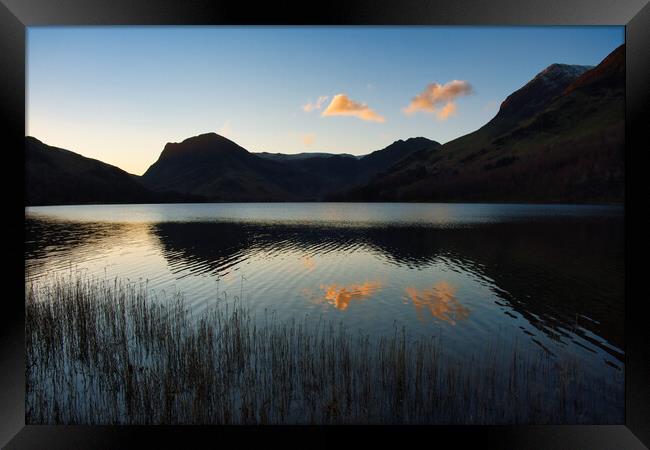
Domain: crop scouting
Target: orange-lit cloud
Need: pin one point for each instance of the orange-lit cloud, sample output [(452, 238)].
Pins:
[(341, 296), (439, 98), (342, 105), (448, 110), (309, 107), (440, 300), (308, 139)]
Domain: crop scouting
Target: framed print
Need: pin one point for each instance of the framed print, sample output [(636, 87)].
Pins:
[(365, 217)]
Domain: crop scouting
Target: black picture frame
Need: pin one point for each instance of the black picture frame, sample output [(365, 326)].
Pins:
[(16, 15)]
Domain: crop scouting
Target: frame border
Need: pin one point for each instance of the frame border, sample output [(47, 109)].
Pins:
[(16, 15)]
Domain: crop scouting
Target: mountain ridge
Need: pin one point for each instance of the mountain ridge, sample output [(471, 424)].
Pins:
[(218, 169)]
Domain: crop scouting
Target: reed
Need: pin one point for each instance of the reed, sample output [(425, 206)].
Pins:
[(109, 352)]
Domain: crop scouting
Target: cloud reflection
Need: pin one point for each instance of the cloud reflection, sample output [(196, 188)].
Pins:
[(440, 300), (340, 296)]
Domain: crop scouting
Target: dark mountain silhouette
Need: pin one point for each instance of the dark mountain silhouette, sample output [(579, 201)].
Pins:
[(213, 166), (560, 138), (383, 159), (54, 176), (537, 94)]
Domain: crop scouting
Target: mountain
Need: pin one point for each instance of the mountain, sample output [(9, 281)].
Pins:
[(537, 94), (55, 176), (214, 167), (560, 138), (381, 160)]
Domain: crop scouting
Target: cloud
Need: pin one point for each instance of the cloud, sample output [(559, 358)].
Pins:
[(439, 99), (308, 139), (342, 105), (309, 107), (448, 110)]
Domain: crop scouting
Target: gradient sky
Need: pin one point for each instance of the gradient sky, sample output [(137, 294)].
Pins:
[(119, 94)]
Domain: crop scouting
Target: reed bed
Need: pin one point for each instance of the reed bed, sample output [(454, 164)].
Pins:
[(109, 352)]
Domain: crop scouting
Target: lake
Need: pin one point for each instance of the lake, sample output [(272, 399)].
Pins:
[(540, 277)]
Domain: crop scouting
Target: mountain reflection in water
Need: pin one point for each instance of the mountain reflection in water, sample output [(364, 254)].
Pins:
[(556, 282)]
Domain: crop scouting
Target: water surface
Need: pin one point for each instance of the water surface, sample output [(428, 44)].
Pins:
[(546, 277)]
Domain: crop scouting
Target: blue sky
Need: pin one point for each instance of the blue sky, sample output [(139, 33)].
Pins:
[(119, 94)]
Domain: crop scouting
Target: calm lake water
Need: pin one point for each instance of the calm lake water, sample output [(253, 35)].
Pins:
[(537, 276)]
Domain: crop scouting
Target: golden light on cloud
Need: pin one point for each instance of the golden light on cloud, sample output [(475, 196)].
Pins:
[(308, 139), (441, 302), (340, 296), (448, 110), (439, 99), (318, 104), (342, 105)]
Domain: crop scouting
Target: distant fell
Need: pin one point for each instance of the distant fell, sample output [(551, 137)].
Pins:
[(216, 168), (55, 176)]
